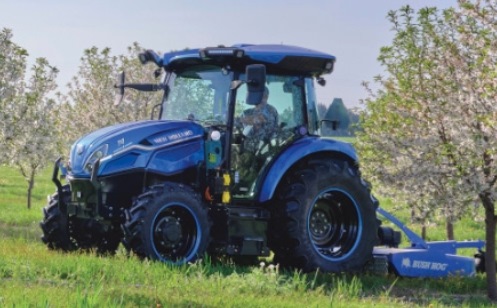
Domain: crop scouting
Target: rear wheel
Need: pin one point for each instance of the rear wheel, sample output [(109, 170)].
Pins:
[(324, 218), (169, 223)]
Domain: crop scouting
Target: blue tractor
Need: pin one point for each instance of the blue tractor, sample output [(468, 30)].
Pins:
[(200, 180)]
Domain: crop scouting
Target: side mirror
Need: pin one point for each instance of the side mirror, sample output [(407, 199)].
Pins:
[(121, 78), (149, 56), (256, 82)]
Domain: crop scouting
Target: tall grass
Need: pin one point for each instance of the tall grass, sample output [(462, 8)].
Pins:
[(32, 275)]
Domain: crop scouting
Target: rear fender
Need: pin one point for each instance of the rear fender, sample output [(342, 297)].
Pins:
[(301, 149)]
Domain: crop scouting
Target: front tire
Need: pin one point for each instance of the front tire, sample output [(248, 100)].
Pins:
[(169, 223), (55, 223), (323, 218), (61, 232)]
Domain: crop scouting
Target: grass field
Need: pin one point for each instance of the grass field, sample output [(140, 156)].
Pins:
[(33, 276)]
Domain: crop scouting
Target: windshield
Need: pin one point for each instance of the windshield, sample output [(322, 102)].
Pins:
[(199, 93)]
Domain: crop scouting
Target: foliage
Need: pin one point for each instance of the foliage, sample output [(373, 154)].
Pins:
[(91, 100), (28, 135), (355, 117), (36, 135), (429, 132), (12, 71)]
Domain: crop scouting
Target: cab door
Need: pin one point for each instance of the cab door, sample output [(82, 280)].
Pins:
[(251, 155)]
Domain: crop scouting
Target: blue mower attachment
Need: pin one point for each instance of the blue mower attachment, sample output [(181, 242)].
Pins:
[(425, 259)]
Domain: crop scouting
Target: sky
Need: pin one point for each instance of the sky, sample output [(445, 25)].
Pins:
[(353, 31)]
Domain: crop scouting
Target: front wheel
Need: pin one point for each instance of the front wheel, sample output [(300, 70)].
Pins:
[(324, 218), (55, 223), (65, 233), (168, 223)]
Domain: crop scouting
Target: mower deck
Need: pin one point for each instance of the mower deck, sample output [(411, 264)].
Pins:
[(427, 259)]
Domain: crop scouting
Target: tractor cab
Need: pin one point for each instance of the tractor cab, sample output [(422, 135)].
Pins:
[(251, 111)]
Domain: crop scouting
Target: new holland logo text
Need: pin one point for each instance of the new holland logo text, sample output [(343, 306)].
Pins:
[(173, 136)]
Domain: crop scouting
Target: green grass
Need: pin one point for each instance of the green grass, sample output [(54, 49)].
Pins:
[(344, 139), (16, 220), (32, 275)]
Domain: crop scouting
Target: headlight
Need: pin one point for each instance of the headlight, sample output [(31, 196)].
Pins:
[(99, 152)]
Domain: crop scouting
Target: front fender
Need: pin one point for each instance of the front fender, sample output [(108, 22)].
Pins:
[(302, 148)]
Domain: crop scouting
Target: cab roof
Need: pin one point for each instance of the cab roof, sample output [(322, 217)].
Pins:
[(278, 58)]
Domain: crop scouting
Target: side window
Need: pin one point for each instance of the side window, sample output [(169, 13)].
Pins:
[(281, 98), (284, 95)]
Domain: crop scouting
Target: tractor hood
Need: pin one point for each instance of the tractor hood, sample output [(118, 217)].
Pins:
[(138, 140)]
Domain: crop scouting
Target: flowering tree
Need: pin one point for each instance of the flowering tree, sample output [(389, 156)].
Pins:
[(429, 132), (472, 66), (36, 138), (91, 100), (28, 133), (405, 129), (12, 70)]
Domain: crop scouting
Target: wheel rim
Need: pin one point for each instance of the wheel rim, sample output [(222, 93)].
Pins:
[(334, 225), (175, 234)]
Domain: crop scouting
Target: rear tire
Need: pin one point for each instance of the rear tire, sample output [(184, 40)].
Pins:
[(323, 218), (169, 223)]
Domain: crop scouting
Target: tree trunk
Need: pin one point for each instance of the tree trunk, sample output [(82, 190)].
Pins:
[(449, 227), (423, 232), (31, 184), (490, 265)]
